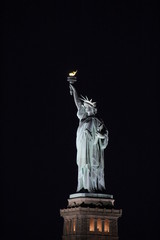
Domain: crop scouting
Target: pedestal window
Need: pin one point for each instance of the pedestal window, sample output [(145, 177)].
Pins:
[(99, 225), (74, 225), (106, 225), (91, 225)]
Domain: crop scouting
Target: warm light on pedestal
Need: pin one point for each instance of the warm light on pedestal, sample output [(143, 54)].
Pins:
[(91, 225), (99, 225), (106, 225)]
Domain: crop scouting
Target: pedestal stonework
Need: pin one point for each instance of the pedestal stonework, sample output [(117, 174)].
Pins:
[(90, 216)]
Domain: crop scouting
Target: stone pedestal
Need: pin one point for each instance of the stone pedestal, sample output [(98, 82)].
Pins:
[(90, 216)]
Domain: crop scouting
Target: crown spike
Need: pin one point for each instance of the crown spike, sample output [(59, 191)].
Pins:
[(86, 100)]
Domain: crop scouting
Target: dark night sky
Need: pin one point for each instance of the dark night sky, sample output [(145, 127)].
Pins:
[(115, 47)]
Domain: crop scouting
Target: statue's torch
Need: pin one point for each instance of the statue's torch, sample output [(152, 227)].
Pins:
[(72, 78)]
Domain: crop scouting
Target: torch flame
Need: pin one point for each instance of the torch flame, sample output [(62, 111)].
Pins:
[(72, 74)]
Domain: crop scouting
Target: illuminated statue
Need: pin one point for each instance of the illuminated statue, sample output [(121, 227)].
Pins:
[(92, 139)]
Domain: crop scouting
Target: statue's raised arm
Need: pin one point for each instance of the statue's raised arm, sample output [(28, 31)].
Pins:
[(75, 96)]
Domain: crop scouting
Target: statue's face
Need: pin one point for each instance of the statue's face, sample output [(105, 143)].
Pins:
[(89, 109)]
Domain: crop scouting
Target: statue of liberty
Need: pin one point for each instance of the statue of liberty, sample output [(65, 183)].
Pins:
[(91, 140)]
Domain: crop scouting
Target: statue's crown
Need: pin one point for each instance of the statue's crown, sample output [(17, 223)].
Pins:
[(86, 100)]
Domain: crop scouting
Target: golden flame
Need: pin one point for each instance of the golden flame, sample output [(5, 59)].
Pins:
[(72, 74)]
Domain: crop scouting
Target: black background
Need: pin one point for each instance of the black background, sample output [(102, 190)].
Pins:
[(115, 47)]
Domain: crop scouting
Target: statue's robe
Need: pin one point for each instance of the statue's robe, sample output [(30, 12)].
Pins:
[(90, 153)]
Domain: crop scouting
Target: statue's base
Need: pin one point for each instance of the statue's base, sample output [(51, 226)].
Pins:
[(90, 216), (90, 200)]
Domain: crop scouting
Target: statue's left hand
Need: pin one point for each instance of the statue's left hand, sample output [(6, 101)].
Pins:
[(101, 126)]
